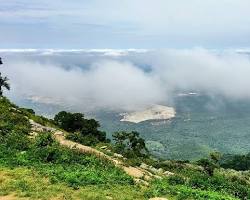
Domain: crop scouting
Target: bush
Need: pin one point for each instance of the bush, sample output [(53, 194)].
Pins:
[(208, 165), (176, 180), (130, 144), (45, 148)]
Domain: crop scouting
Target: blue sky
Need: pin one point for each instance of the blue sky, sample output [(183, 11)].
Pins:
[(124, 23)]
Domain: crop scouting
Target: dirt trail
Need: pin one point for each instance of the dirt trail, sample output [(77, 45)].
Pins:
[(135, 172), (140, 175)]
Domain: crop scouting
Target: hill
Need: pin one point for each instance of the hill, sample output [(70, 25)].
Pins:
[(34, 164)]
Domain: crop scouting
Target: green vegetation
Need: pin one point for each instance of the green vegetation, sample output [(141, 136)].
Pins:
[(44, 157), (203, 124), (84, 131), (130, 144), (237, 162), (3, 82), (39, 168), (27, 183), (195, 177)]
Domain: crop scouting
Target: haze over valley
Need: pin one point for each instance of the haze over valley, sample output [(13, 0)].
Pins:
[(206, 91)]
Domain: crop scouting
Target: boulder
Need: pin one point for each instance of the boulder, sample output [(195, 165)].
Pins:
[(118, 155), (167, 173)]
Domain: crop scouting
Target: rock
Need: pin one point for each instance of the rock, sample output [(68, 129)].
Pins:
[(153, 170), (141, 182), (160, 171), (167, 173), (118, 155), (144, 166), (156, 112), (104, 147), (33, 133)]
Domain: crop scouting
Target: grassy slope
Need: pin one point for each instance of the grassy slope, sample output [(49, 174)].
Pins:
[(70, 175)]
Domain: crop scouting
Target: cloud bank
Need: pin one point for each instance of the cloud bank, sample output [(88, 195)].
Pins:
[(123, 82)]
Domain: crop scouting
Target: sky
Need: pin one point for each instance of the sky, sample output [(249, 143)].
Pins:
[(153, 24)]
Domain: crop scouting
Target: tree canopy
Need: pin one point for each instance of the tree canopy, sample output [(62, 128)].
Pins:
[(85, 131), (130, 144)]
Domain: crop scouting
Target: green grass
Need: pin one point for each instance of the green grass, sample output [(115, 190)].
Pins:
[(40, 168), (183, 192), (27, 183), (64, 165)]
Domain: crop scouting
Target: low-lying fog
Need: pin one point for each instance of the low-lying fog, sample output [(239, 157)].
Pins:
[(123, 80)]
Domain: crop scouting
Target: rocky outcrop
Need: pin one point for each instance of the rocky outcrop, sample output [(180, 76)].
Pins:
[(156, 112)]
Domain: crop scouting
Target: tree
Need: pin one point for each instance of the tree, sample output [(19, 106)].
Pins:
[(70, 122), (215, 156), (130, 144), (236, 162), (84, 131), (208, 165), (3, 82)]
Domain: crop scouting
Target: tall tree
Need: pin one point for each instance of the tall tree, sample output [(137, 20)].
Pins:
[(3, 81)]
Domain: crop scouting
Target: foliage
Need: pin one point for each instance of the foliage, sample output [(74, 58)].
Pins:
[(84, 131), (195, 178), (130, 144), (237, 162), (48, 158), (176, 180), (12, 121), (41, 164), (45, 156), (208, 165), (27, 183), (70, 122), (182, 192), (3, 84)]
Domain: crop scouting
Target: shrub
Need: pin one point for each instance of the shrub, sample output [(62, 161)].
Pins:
[(130, 144), (208, 165), (46, 148), (176, 180)]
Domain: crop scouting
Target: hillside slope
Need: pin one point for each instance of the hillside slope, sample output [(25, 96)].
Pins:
[(37, 165)]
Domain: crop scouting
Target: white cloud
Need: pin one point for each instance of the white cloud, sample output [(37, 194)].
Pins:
[(106, 84), (224, 73), (111, 82)]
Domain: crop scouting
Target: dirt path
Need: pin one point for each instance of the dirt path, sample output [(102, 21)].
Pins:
[(140, 175), (135, 172)]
